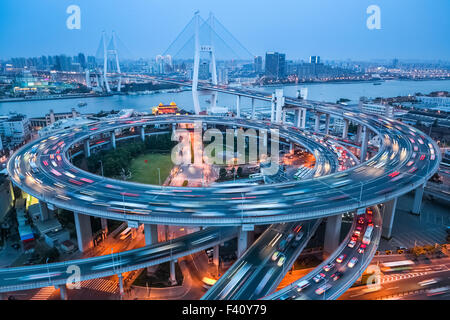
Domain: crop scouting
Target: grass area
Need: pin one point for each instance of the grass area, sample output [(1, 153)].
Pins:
[(147, 172)]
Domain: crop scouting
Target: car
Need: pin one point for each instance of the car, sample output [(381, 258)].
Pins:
[(352, 243), (302, 285), (361, 220), (290, 237), (328, 267), (341, 258), (282, 245), (352, 262), (299, 236), (281, 261), (275, 255), (336, 276), (318, 277), (323, 288), (362, 248)]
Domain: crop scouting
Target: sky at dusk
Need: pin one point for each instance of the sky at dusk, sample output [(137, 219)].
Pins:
[(410, 29)]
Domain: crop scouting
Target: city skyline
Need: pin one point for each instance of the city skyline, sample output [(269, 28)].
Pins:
[(339, 34)]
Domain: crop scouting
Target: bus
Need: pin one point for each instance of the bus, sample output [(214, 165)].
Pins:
[(367, 235), (397, 266)]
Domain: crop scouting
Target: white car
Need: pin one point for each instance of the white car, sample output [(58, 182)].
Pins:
[(352, 262), (275, 255), (351, 244), (323, 288), (302, 285), (281, 261)]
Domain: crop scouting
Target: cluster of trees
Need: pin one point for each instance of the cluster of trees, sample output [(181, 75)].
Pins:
[(224, 173), (116, 162), (428, 250)]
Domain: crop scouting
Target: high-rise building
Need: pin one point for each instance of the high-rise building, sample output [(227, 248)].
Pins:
[(203, 71), (314, 59), (257, 64), (275, 65), (82, 60)]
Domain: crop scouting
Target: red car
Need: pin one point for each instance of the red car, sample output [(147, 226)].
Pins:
[(341, 258), (362, 248)]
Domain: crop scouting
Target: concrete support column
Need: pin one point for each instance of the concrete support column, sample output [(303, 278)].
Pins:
[(279, 105), (143, 133), (332, 234), (418, 195), (291, 147), (173, 279), (253, 108), (272, 108), (327, 123), (121, 291), (44, 210), (63, 291), (345, 129), (358, 133), (297, 117), (317, 123), (364, 143), (87, 149), (242, 242), (84, 231), (238, 106), (113, 139), (216, 256), (104, 225), (151, 234), (388, 218)]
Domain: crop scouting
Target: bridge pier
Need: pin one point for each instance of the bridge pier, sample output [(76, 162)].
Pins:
[(216, 256), (279, 99), (151, 234), (245, 237), (327, 123), (332, 234), (364, 143), (63, 291), (253, 108), (113, 139), (87, 149), (172, 279), (418, 195), (104, 223), (300, 118), (43, 208), (358, 133), (317, 122), (345, 129), (238, 106), (143, 133), (272, 108), (388, 218), (121, 291), (84, 231)]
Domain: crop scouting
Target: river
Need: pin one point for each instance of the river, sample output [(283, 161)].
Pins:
[(329, 92)]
